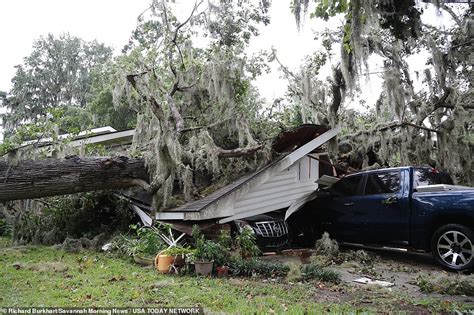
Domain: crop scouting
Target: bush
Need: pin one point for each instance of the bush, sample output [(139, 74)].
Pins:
[(314, 271), (443, 285), (208, 249), (145, 243), (220, 250), (327, 246), (83, 215), (247, 243), (250, 267), (5, 228), (327, 253), (294, 274), (178, 251)]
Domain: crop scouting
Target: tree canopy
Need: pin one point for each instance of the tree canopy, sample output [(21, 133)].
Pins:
[(56, 74), (425, 123), (188, 87)]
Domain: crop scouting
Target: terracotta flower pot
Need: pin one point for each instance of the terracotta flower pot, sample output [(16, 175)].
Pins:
[(203, 268), (163, 263)]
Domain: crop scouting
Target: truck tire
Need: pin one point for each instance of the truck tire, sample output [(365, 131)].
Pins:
[(452, 246)]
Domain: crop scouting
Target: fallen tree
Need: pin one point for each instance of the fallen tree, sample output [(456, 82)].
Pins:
[(44, 178)]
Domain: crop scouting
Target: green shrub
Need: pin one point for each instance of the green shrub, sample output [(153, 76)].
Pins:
[(247, 243), (178, 251), (225, 239), (314, 271), (327, 246), (249, 267), (294, 274), (146, 242), (208, 249), (444, 285), (327, 253), (149, 242), (220, 250), (82, 215), (5, 228)]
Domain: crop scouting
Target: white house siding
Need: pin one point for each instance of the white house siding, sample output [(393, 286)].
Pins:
[(280, 191), (276, 186)]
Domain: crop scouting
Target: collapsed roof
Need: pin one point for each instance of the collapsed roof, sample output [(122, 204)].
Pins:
[(278, 185)]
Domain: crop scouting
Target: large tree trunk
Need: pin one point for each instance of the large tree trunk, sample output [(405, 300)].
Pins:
[(35, 179)]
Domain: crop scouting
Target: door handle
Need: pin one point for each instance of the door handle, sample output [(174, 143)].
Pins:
[(390, 201), (349, 204)]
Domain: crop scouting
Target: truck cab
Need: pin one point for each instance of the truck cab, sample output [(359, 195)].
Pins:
[(406, 207)]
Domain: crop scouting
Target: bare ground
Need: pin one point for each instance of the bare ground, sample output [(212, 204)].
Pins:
[(401, 269)]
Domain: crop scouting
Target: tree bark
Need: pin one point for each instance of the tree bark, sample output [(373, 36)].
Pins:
[(36, 179)]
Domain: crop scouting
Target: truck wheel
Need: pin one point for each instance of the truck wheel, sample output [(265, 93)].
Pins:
[(453, 246)]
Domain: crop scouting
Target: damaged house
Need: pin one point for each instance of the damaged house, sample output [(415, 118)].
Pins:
[(263, 198)]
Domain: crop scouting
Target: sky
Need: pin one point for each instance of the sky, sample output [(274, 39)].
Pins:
[(112, 21), (23, 21)]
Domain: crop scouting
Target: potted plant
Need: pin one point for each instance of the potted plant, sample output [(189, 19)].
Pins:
[(179, 253), (203, 254), (144, 247), (203, 261), (246, 243), (163, 262), (174, 256)]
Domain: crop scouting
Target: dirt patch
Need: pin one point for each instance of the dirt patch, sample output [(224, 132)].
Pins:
[(404, 270), (42, 267), (16, 249)]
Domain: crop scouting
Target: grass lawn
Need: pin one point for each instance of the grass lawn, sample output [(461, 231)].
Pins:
[(44, 276)]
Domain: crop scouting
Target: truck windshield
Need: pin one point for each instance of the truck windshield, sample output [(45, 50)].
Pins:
[(427, 176)]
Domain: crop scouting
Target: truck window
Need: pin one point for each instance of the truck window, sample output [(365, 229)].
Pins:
[(348, 186), (382, 183), (427, 176)]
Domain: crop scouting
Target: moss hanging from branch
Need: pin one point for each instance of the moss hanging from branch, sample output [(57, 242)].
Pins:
[(197, 122)]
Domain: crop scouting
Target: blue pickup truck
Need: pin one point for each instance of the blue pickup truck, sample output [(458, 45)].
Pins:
[(406, 207)]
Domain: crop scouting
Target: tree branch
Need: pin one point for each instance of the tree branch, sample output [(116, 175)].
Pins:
[(141, 183), (155, 106), (178, 119), (203, 127), (285, 69), (397, 125), (441, 102), (238, 152), (453, 15)]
